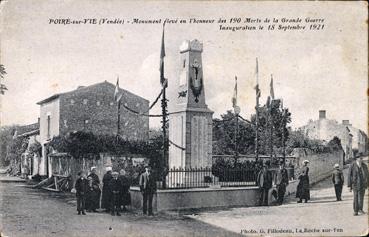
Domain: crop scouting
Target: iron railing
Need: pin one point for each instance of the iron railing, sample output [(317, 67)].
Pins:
[(180, 178)]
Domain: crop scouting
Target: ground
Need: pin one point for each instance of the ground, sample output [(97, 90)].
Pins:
[(32, 212), (323, 212)]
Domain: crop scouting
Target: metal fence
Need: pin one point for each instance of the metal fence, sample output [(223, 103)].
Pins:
[(179, 178), (206, 177)]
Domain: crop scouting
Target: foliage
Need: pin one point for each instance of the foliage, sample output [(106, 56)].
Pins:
[(270, 114), (35, 148), (2, 71), (297, 139), (88, 145), (224, 135), (6, 136), (230, 170)]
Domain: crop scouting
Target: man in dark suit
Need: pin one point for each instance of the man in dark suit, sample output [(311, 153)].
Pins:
[(264, 181), (338, 180), (281, 182), (115, 187), (148, 189), (81, 187), (357, 182)]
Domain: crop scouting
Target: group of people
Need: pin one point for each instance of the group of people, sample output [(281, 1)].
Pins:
[(357, 182), (115, 192), (265, 180)]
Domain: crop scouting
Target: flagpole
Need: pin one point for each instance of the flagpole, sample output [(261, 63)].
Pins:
[(237, 126), (257, 114), (118, 123), (283, 138), (271, 118), (164, 84)]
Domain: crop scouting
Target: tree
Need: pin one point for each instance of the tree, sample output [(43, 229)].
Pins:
[(2, 74), (6, 137), (271, 114), (224, 135)]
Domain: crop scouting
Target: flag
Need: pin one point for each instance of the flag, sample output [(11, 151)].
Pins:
[(162, 55), (234, 98), (258, 92), (271, 87), (117, 94)]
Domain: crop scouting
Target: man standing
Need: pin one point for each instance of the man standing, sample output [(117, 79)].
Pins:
[(148, 189), (81, 187), (281, 181), (264, 181), (115, 188), (358, 181), (338, 179)]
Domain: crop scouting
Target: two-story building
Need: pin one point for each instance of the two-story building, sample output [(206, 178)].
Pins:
[(352, 139), (91, 109)]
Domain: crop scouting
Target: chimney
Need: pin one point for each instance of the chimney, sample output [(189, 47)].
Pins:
[(322, 114), (346, 122)]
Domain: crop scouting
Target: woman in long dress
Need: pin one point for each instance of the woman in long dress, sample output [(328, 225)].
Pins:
[(303, 189), (95, 191), (106, 192)]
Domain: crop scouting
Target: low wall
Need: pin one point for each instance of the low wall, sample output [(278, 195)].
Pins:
[(321, 165), (179, 199)]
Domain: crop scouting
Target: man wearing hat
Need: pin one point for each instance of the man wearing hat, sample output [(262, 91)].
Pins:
[(281, 182), (337, 179), (357, 181), (265, 182), (115, 187), (148, 189)]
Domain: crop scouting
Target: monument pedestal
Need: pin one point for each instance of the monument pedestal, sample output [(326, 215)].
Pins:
[(190, 122)]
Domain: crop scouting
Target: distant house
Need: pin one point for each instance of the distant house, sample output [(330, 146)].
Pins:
[(326, 129), (91, 109)]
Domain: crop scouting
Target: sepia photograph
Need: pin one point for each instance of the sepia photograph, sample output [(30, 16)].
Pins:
[(183, 118)]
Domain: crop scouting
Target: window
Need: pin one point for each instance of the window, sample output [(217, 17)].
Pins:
[(85, 101), (48, 126), (184, 63)]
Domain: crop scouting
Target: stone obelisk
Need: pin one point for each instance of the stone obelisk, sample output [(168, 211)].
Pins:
[(190, 121)]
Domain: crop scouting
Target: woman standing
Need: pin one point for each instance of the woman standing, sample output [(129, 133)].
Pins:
[(95, 190), (303, 190), (106, 192)]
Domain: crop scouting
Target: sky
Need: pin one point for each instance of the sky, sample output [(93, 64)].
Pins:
[(312, 70)]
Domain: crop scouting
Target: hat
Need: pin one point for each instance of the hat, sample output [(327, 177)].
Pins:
[(336, 166), (115, 173), (93, 167), (306, 161), (108, 168)]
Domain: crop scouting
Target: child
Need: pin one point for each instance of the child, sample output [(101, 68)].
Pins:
[(81, 187)]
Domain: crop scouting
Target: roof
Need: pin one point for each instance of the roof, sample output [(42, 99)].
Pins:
[(86, 88), (30, 133)]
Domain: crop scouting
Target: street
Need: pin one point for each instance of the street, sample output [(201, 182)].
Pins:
[(322, 213), (31, 212)]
